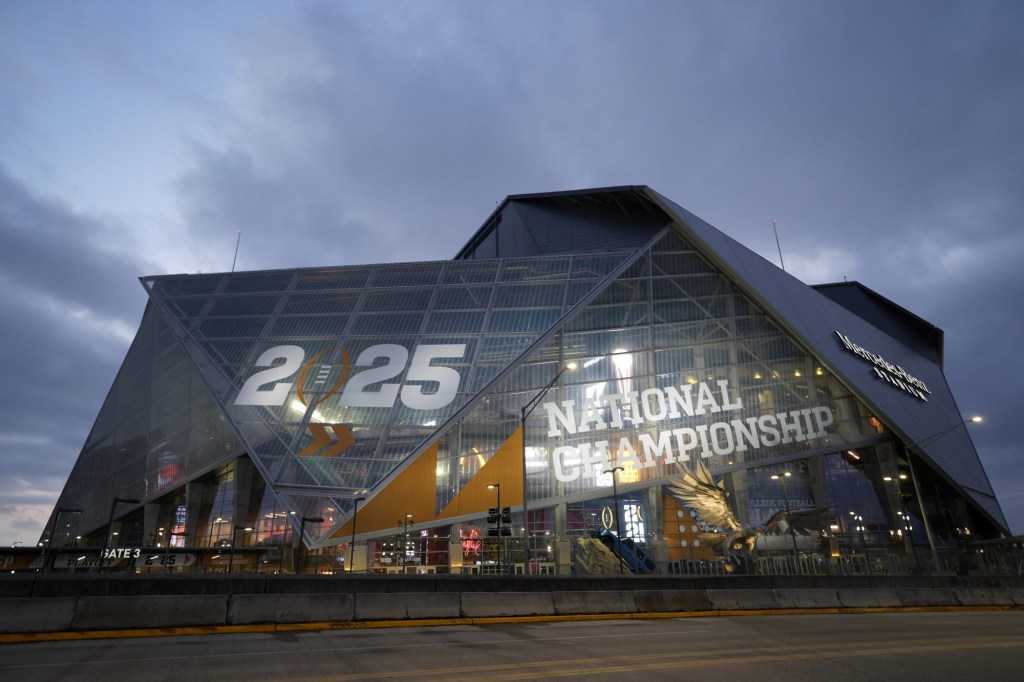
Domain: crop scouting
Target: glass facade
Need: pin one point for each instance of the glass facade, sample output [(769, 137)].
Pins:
[(254, 411)]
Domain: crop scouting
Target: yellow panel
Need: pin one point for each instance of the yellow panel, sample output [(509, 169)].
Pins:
[(505, 467), (412, 492)]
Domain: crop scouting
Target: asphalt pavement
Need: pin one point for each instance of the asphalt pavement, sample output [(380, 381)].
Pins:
[(981, 645)]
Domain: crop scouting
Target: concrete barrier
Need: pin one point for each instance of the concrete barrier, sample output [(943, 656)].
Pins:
[(925, 596), (475, 596), (740, 600), (868, 598), (982, 596), (612, 601), (807, 599), (247, 609), (125, 613), (36, 615), (667, 601), (484, 604), (383, 606), (1016, 595)]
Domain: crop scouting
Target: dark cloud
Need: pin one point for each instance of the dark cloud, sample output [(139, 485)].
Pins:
[(68, 309)]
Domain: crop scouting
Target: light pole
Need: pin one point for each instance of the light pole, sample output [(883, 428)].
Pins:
[(525, 412), (789, 519), (905, 532), (110, 524), (615, 501), (497, 488), (404, 523), (859, 520), (284, 540), (234, 539), (352, 545), (302, 536), (53, 529), (917, 447)]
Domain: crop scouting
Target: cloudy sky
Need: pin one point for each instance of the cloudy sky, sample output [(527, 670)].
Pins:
[(137, 138)]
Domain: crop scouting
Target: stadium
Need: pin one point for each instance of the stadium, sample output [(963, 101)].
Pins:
[(535, 405)]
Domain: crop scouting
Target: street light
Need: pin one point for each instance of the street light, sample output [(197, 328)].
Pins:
[(404, 523), (905, 531), (497, 487), (859, 520), (302, 537), (789, 518), (284, 541), (919, 446), (615, 501), (525, 412), (234, 538), (352, 545), (53, 529), (110, 524)]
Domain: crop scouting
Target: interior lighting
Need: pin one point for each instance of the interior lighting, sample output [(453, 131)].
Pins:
[(622, 359)]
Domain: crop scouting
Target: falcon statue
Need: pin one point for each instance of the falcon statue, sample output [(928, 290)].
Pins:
[(697, 490)]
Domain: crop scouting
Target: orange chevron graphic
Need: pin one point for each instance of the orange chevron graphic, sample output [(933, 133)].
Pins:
[(341, 440)]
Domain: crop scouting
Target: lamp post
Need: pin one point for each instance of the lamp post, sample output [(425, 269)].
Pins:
[(525, 412), (905, 531), (615, 501), (916, 447), (352, 544), (284, 541), (789, 521), (110, 523), (859, 520), (53, 529), (302, 536), (404, 524), (234, 539), (497, 488)]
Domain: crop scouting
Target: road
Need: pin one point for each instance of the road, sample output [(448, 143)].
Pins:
[(936, 645)]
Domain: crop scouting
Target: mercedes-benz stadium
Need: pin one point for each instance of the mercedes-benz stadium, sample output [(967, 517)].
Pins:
[(533, 405)]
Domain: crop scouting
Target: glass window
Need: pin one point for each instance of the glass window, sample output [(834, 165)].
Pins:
[(536, 320), (411, 275), (384, 324), (529, 295), (525, 269), (232, 327), (300, 304), (470, 271), (332, 278), (418, 299), (453, 323), (243, 305), (462, 297), (258, 281)]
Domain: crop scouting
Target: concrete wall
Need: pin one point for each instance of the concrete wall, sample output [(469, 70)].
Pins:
[(128, 602)]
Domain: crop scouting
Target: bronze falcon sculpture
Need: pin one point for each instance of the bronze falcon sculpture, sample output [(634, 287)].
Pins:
[(697, 490)]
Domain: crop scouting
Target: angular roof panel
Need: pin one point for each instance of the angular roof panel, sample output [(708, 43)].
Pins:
[(936, 425)]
